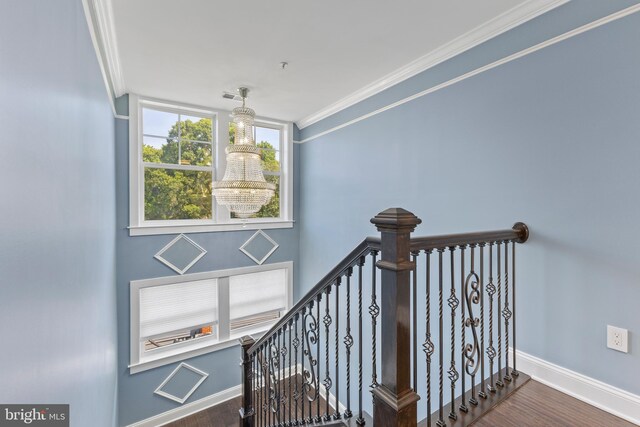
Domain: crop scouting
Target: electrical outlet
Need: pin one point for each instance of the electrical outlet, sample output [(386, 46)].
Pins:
[(618, 339)]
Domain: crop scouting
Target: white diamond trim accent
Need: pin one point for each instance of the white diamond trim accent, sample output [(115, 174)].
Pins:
[(268, 254), (166, 262), (184, 398)]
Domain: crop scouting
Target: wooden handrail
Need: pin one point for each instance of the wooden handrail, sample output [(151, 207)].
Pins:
[(519, 233), (364, 248)]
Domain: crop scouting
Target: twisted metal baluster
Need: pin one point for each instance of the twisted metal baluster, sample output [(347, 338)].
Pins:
[(303, 385), (440, 422), (482, 393), (463, 403), (360, 420), (336, 414), (428, 347), (514, 372), (327, 379), (374, 311), (506, 313), (499, 382), (279, 388), (453, 304), (348, 342), (317, 417), (414, 344), (296, 391), (289, 392), (491, 290)]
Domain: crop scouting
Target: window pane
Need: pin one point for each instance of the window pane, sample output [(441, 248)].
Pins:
[(270, 138), (180, 336), (196, 128), (159, 123), (271, 209), (256, 293), (270, 160), (159, 150), (195, 153), (177, 194)]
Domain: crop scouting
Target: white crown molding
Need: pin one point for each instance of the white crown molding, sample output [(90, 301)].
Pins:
[(504, 22), (596, 393), (99, 15), (550, 42)]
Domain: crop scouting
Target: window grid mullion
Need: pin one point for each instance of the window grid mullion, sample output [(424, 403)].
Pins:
[(224, 321)]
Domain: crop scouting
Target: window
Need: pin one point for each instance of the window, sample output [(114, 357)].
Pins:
[(176, 152), (174, 318)]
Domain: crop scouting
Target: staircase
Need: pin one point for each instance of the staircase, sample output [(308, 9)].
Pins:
[(399, 320)]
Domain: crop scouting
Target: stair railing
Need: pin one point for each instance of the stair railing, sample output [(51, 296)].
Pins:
[(295, 373)]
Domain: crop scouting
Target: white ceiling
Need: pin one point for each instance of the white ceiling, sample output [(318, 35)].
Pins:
[(192, 50)]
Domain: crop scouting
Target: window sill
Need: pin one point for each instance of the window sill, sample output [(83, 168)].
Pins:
[(150, 230), (188, 354)]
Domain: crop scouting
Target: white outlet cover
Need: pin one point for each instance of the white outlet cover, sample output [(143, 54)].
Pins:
[(618, 339)]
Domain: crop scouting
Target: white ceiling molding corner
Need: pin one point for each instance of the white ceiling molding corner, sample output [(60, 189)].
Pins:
[(502, 23), (99, 14)]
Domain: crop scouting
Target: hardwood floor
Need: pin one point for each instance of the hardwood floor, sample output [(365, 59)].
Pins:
[(533, 405)]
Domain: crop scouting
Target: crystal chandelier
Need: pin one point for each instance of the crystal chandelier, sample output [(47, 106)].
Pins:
[(243, 190)]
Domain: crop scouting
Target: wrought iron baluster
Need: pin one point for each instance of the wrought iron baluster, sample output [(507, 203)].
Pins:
[(463, 404), (303, 384), (482, 392), (491, 290), (289, 392), (360, 420), (317, 325), (453, 302), (374, 311), (499, 382), (428, 347), (514, 372), (336, 414), (414, 344), (440, 422), (296, 391), (472, 352), (327, 377), (506, 313), (348, 342), (278, 401)]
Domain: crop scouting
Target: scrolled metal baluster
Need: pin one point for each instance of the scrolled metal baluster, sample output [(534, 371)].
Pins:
[(482, 392), (440, 421), (463, 404), (327, 379), (360, 420), (428, 346), (374, 311), (491, 351), (472, 352), (336, 414), (506, 313), (453, 302), (310, 335), (499, 382), (514, 372), (348, 343)]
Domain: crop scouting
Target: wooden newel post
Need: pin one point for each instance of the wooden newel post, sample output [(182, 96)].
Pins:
[(395, 402), (246, 412)]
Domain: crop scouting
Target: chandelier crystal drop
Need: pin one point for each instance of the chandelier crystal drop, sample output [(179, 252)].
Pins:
[(243, 190)]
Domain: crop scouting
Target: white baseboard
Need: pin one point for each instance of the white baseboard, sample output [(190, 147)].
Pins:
[(596, 393), (189, 408)]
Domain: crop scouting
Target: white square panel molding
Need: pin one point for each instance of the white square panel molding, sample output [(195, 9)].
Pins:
[(180, 254), (181, 383), (259, 247)]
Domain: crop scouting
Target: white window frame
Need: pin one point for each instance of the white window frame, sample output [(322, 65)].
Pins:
[(222, 221), (187, 349)]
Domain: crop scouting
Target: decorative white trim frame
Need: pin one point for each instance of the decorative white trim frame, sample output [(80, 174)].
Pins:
[(504, 22), (577, 31), (176, 354), (268, 254), (99, 15), (596, 393), (181, 400), (189, 408), (166, 262)]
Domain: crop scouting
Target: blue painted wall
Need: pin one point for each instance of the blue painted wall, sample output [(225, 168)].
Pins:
[(550, 139), (135, 261), (57, 245)]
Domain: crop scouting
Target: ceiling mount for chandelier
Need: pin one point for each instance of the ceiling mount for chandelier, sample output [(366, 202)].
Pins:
[(243, 190)]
